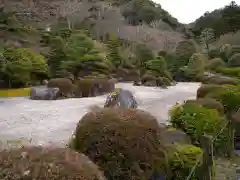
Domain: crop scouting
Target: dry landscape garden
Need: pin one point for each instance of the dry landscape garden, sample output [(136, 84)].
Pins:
[(118, 90)]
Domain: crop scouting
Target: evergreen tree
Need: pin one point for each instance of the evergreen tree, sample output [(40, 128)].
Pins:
[(113, 51)]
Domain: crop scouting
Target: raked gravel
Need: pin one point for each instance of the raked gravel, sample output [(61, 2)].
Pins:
[(53, 122)]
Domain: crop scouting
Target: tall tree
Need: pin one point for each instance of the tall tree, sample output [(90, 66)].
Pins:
[(231, 17), (207, 37)]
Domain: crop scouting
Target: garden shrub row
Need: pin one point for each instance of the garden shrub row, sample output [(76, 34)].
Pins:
[(83, 87)]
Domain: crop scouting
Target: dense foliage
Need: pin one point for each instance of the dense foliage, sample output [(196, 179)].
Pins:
[(196, 120)]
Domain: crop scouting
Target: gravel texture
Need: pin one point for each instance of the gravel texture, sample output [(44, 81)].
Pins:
[(24, 121)]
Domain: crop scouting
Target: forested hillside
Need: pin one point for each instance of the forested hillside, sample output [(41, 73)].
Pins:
[(222, 21)]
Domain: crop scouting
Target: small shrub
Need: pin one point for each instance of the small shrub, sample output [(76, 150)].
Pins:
[(123, 142), (221, 80), (47, 163), (148, 76), (134, 75), (234, 61), (93, 87), (233, 72), (196, 120), (207, 88), (229, 97), (65, 85), (163, 81), (215, 64), (182, 159), (185, 49), (208, 103)]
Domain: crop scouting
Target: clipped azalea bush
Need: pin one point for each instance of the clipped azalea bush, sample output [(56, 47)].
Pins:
[(47, 163), (65, 85), (196, 120), (215, 63), (89, 87), (182, 158), (234, 61), (222, 80), (122, 142), (204, 89), (148, 76), (229, 97), (233, 72), (208, 103)]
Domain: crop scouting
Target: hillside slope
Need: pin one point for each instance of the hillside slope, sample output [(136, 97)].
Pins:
[(107, 18)]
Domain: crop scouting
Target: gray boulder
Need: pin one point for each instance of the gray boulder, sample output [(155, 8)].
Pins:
[(172, 136), (121, 98), (44, 93)]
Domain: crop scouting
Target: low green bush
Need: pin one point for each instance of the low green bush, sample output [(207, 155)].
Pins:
[(93, 87), (229, 97), (215, 64), (204, 89), (233, 72), (234, 61), (222, 80), (209, 103), (182, 159), (65, 85), (196, 120)]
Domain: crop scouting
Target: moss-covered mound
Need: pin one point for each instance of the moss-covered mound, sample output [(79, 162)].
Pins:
[(207, 88), (93, 87), (209, 103), (122, 142), (47, 163)]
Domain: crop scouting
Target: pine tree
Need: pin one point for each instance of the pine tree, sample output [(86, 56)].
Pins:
[(113, 51)]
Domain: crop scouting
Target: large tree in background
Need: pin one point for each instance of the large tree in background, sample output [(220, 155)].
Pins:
[(231, 17)]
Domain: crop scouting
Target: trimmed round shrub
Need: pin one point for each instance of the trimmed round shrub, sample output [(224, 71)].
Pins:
[(122, 142), (163, 81), (65, 85), (148, 76), (47, 163), (216, 63), (229, 97), (221, 80), (204, 89), (233, 72), (93, 87), (185, 49), (196, 120), (234, 61), (209, 103), (134, 75), (183, 158)]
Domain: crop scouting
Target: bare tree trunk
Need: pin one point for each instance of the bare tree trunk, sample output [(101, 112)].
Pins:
[(69, 23)]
